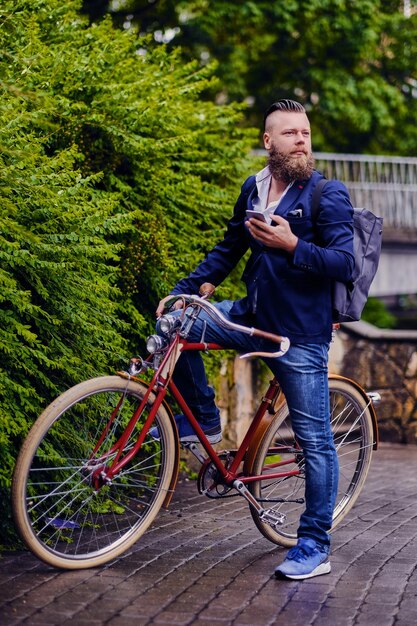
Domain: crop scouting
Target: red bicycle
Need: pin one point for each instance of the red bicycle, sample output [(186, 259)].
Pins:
[(89, 479)]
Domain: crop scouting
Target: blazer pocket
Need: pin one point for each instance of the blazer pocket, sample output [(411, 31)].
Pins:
[(301, 226)]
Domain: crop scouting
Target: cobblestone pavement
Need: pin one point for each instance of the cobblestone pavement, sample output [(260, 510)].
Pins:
[(204, 563)]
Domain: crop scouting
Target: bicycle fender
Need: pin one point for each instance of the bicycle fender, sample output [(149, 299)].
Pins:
[(371, 407)]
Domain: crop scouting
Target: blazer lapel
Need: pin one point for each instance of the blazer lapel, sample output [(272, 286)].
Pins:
[(291, 197)]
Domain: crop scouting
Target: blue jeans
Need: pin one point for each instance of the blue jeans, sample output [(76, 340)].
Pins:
[(302, 374)]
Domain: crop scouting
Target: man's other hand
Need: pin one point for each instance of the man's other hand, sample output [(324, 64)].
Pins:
[(161, 306)]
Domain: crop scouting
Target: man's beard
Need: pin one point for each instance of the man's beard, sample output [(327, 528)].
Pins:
[(288, 168)]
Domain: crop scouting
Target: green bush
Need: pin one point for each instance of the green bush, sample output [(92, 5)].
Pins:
[(376, 313), (117, 176)]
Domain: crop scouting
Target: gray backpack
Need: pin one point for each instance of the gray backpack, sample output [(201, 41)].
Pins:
[(350, 298)]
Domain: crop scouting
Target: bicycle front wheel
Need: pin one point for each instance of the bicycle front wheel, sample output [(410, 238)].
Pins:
[(354, 439), (61, 514)]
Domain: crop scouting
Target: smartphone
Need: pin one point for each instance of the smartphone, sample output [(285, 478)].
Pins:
[(257, 215)]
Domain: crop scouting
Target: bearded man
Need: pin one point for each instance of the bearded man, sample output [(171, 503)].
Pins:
[(288, 280)]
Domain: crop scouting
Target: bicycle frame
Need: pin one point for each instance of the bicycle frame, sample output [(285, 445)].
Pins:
[(85, 505), (157, 390)]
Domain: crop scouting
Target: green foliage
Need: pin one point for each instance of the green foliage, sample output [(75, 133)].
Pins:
[(115, 181), (354, 64), (376, 313)]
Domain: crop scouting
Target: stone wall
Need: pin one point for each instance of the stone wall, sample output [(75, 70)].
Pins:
[(238, 392), (380, 360), (383, 361)]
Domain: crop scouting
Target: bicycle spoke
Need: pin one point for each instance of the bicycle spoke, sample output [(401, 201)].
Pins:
[(69, 511), (352, 431)]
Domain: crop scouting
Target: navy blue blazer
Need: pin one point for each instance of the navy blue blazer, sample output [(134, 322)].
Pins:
[(287, 294)]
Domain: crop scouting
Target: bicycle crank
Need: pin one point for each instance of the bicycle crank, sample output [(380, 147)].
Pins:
[(210, 480), (269, 516)]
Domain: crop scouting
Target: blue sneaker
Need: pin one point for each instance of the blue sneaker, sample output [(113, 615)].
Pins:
[(305, 560), (187, 434)]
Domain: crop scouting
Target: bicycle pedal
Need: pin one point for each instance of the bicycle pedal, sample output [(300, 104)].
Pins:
[(273, 518)]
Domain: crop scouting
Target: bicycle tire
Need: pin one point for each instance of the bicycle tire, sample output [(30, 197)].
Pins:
[(353, 433), (59, 515)]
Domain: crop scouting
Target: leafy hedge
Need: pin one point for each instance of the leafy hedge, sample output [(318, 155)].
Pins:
[(116, 176)]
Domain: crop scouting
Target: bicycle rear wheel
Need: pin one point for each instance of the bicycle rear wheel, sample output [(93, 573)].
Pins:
[(60, 516), (354, 438)]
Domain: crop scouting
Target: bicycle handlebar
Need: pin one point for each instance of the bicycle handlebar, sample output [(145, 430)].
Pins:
[(219, 318)]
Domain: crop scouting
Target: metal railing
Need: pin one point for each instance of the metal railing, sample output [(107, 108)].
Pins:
[(387, 185)]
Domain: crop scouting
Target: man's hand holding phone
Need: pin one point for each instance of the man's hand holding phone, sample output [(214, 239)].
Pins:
[(257, 215), (279, 235)]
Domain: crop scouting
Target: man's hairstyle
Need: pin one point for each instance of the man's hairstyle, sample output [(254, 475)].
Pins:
[(284, 105)]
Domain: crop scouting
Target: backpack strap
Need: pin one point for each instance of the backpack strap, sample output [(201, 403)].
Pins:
[(315, 200)]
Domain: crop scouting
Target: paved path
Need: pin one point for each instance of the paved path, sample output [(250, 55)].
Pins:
[(204, 563)]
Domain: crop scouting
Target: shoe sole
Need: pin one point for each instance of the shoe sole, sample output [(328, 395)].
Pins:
[(195, 439), (323, 568), (192, 438)]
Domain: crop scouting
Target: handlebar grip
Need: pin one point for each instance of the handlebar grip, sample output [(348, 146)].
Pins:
[(269, 336)]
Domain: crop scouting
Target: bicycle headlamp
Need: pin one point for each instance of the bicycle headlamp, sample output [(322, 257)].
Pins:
[(155, 343), (168, 323)]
